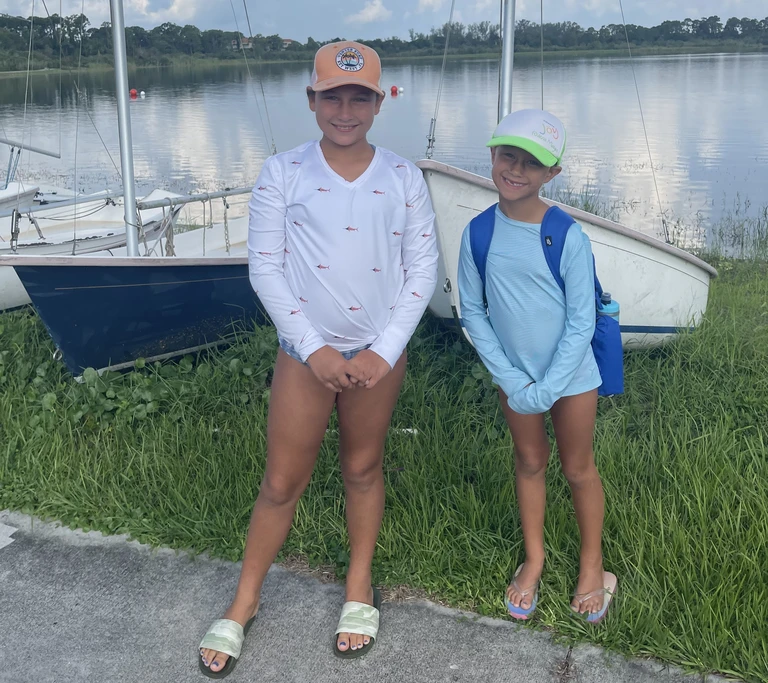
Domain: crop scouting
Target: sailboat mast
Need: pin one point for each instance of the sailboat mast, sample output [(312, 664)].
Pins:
[(507, 57), (124, 127)]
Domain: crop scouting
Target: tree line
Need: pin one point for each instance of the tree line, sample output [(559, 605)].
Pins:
[(73, 38)]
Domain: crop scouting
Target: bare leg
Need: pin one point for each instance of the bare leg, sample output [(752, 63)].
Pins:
[(532, 451), (297, 398), (574, 421), (364, 417)]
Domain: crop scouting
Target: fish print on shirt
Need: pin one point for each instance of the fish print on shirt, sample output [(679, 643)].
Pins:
[(315, 233), (265, 253)]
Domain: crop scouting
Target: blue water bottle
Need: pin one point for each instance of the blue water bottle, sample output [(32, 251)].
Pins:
[(610, 307)]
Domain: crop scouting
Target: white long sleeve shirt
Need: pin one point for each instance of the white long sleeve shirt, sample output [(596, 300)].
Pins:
[(338, 263)]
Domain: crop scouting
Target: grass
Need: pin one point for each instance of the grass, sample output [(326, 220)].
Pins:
[(173, 454)]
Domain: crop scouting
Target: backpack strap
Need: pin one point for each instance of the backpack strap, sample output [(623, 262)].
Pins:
[(554, 229), (480, 236)]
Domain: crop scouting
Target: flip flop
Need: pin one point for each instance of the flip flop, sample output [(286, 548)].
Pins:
[(359, 619), (225, 636), (520, 612), (610, 586)]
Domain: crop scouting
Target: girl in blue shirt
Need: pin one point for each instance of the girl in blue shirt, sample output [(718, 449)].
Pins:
[(536, 343)]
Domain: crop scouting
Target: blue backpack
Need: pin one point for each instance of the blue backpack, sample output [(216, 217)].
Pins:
[(606, 342)]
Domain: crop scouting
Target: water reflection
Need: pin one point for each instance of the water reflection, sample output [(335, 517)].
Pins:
[(201, 128)]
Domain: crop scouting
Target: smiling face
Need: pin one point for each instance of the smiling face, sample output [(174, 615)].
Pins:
[(345, 114), (518, 175)]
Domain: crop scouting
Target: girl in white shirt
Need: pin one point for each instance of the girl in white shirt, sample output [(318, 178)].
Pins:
[(343, 256)]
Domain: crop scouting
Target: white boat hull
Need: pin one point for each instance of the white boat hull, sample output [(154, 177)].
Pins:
[(661, 289), (94, 227), (18, 196)]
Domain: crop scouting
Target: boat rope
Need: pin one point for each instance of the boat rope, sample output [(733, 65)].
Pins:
[(13, 163), (261, 83), (15, 217), (269, 136), (61, 72), (79, 98), (26, 88), (433, 122), (77, 127), (140, 231), (204, 228), (169, 234), (645, 129), (541, 30), (226, 224), (86, 214)]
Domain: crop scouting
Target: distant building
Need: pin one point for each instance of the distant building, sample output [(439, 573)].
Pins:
[(242, 44), (287, 42)]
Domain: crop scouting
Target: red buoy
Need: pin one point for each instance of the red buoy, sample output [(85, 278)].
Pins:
[(134, 93), (393, 90)]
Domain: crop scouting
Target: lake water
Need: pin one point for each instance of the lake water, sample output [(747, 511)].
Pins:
[(200, 129)]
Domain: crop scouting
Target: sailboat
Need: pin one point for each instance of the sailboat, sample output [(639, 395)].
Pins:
[(661, 289), (104, 312), (51, 220), (93, 224)]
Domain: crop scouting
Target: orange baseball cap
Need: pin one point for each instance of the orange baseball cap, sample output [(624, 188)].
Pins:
[(346, 63)]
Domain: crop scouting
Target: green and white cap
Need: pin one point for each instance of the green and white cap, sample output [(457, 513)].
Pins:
[(536, 131)]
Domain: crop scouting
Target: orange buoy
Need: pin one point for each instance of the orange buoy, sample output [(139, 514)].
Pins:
[(134, 93), (393, 90)]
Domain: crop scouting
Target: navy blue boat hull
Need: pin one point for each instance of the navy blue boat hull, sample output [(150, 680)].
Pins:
[(106, 316)]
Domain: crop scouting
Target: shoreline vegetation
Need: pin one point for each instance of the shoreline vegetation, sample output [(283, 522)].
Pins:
[(197, 61), (172, 454), (71, 40)]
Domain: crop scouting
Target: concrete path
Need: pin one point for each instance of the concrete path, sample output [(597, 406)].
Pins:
[(90, 608)]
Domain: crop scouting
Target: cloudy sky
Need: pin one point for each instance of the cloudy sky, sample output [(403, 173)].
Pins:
[(326, 19)]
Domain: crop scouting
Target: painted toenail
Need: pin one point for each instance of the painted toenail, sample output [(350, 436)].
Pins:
[(342, 643)]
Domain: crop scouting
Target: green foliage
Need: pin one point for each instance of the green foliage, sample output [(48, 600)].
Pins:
[(65, 36), (173, 454)]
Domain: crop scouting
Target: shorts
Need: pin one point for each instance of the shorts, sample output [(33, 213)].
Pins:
[(286, 346)]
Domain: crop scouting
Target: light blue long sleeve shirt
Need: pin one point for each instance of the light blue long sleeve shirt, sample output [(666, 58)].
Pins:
[(532, 333)]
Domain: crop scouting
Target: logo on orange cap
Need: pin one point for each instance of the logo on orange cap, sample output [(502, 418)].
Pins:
[(346, 63), (350, 59)]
